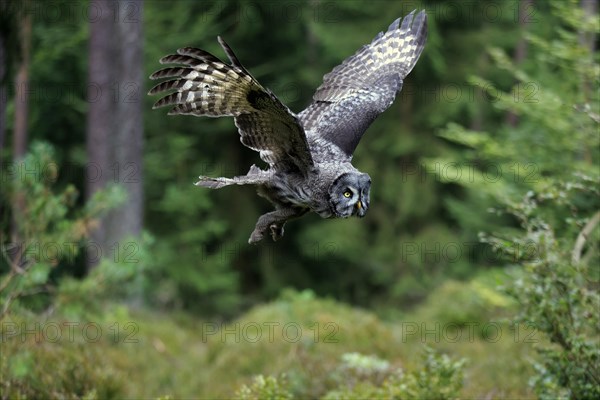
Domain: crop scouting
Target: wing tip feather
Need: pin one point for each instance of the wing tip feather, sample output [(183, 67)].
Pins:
[(410, 21)]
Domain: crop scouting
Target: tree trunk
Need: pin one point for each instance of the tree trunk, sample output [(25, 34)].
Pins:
[(99, 118), (114, 126), (21, 113), (3, 94), (128, 133), (22, 90)]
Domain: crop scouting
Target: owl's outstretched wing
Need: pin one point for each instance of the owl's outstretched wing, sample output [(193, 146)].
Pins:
[(205, 86), (355, 92)]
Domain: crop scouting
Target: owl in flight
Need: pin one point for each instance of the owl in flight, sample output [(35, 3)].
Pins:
[(309, 154)]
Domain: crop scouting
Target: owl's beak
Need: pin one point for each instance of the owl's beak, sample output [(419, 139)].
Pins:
[(360, 210)]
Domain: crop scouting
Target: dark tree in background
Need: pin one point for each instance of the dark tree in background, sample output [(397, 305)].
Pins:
[(21, 105), (3, 67), (114, 124), (9, 48), (22, 83)]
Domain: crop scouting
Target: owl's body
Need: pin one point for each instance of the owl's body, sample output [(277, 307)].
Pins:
[(309, 154)]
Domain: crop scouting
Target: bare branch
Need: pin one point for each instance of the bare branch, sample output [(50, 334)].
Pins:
[(582, 237)]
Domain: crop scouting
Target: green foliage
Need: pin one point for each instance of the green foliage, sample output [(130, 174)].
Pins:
[(48, 232), (124, 277), (551, 196), (440, 378), (318, 331), (31, 366), (355, 376), (475, 301), (369, 377), (372, 378), (269, 388), (473, 320), (356, 367), (559, 296), (178, 356)]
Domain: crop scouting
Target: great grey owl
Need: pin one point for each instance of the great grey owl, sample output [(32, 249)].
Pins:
[(309, 154)]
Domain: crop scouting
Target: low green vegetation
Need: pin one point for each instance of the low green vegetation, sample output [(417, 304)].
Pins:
[(301, 345)]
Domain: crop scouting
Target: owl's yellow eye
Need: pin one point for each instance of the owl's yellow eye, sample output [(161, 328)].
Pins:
[(347, 194)]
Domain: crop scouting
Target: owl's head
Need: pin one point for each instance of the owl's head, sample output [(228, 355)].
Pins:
[(349, 195)]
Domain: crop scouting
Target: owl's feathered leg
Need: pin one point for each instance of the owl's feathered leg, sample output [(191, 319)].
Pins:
[(274, 221), (255, 176)]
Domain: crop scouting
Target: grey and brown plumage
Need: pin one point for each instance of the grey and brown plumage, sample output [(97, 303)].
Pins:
[(309, 154)]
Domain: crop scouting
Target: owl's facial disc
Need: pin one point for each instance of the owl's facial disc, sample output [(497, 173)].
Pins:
[(349, 195)]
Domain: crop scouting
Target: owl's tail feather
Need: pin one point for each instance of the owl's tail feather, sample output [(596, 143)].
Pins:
[(255, 176), (205, 86), (216, 183)]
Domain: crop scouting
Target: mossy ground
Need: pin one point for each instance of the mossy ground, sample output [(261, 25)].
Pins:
[(145, 354)]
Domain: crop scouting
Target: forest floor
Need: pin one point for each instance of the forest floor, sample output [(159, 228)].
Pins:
[(145, 354)]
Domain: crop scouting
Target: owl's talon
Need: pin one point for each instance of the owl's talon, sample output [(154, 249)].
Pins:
[(255, 237), (276, 231)]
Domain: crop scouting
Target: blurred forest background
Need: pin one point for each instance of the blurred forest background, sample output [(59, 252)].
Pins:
[(475, 273)]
